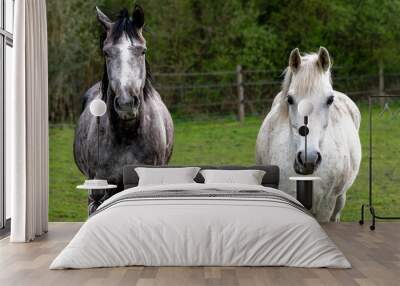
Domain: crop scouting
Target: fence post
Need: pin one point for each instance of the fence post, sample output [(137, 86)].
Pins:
[(240, 91), (381, 90)]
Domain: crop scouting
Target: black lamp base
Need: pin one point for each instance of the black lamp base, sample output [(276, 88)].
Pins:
[(304, 193)]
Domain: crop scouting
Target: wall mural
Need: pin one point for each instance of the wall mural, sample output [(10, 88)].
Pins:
[(137, 127)]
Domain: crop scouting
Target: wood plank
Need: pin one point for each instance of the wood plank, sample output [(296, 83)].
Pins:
[(375, 257)]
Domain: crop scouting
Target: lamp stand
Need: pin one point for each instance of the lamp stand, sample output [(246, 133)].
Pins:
[(305, 139), (303, 131), (304, 193), (98, 145)]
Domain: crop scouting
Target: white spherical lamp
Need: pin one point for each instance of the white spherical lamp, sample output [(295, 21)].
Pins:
[(305, 107), (98, 107)]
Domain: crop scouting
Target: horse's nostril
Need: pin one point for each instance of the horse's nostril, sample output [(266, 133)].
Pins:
[(117, 104), (319, 158), (299, 158), (135, 101)]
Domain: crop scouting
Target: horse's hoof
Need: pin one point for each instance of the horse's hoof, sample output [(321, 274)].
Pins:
[(361, 222), (372, 227)]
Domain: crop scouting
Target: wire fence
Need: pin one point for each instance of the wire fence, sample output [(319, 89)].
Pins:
[(242, 92), (245, 91)]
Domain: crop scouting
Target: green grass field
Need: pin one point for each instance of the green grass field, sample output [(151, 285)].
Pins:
[(225, 141)]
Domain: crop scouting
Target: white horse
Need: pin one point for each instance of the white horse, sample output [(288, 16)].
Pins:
[(333, 144)]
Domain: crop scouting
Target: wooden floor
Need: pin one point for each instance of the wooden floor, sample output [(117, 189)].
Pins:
[(375, 257)]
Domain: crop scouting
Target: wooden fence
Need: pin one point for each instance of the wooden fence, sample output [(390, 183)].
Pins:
[(242, 91), (245, 91)]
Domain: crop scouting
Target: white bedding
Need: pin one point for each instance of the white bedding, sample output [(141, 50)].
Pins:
[(183, 231)]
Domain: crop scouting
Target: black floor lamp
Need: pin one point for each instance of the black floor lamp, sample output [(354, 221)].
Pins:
[(370, 205)]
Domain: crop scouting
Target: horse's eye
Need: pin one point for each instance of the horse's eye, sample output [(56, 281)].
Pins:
[(290, 99), (330, 100), (144, 51), (106, 54)]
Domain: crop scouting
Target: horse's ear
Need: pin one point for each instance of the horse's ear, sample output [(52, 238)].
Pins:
[(324, 61), (295, 60), (103, 19), (138, 17)]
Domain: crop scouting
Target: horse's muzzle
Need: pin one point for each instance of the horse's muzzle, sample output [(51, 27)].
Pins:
[(126, 106), (309, 166)]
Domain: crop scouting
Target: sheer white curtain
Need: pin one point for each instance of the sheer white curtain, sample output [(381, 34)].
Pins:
[(27, 124)]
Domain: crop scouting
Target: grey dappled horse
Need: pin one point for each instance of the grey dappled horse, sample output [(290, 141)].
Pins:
[(137, 127)]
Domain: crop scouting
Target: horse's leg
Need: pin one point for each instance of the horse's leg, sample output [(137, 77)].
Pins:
[(323, 211), (340, 202)]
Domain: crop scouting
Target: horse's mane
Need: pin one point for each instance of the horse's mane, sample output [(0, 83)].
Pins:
[(123, 24), (308, 75)]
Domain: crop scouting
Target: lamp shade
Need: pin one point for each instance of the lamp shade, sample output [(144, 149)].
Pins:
[(98, 107), (305, 107)]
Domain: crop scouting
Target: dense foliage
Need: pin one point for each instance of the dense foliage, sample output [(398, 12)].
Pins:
[(214, 35)]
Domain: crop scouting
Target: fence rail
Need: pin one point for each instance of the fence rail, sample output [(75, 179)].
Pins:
[(242, 91), (250, 91)]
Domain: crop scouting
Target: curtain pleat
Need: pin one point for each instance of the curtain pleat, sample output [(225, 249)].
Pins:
[(29, 161)]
